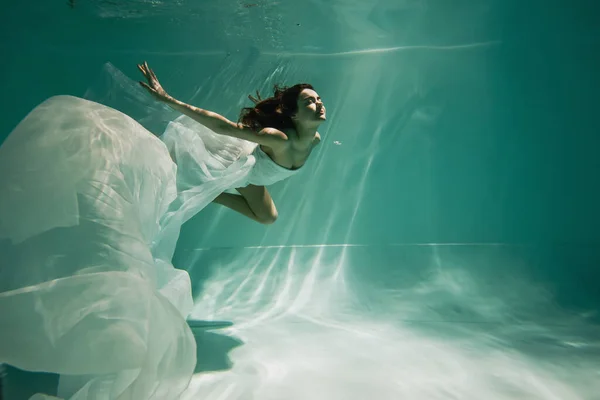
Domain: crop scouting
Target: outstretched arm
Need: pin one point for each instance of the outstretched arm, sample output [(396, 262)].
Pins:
[(213, 121)]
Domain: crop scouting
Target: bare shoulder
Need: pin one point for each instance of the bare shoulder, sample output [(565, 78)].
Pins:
[(270, 137), (274, 133)]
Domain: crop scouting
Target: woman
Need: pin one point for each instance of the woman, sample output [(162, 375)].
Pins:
[(91, 208), (284, 127)]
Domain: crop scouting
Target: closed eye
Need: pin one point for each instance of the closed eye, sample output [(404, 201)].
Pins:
[(312, 100)]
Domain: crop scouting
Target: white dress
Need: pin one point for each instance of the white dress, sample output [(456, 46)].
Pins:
[(90, 211)]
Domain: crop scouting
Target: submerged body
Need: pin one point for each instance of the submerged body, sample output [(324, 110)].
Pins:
[(284, 126)]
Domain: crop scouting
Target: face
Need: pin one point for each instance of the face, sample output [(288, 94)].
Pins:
[(310, 108)]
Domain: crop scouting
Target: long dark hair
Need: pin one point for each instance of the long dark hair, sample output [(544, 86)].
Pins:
[(275, 111)]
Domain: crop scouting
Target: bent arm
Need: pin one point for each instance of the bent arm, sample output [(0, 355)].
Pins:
[(219, 124)]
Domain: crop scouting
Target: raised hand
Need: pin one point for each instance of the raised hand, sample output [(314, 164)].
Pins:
[(152, 85)]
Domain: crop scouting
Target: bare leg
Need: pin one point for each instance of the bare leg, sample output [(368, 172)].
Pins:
[(237, 203), (254, 202)]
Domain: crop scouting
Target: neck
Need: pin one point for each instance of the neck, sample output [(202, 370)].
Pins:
[(306, 135)]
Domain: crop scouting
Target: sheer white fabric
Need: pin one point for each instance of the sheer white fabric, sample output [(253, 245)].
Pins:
[(90, 212)]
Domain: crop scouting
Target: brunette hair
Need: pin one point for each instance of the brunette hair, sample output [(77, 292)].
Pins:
[(275, 111)]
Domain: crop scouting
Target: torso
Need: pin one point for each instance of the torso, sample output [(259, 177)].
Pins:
[(291, 156)]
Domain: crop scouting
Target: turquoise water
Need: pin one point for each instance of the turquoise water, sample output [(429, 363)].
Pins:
[(440, 244)]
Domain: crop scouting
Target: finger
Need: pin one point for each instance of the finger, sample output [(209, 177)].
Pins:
[(151, 72), (147, 71), (144, 72), (146, 86)]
